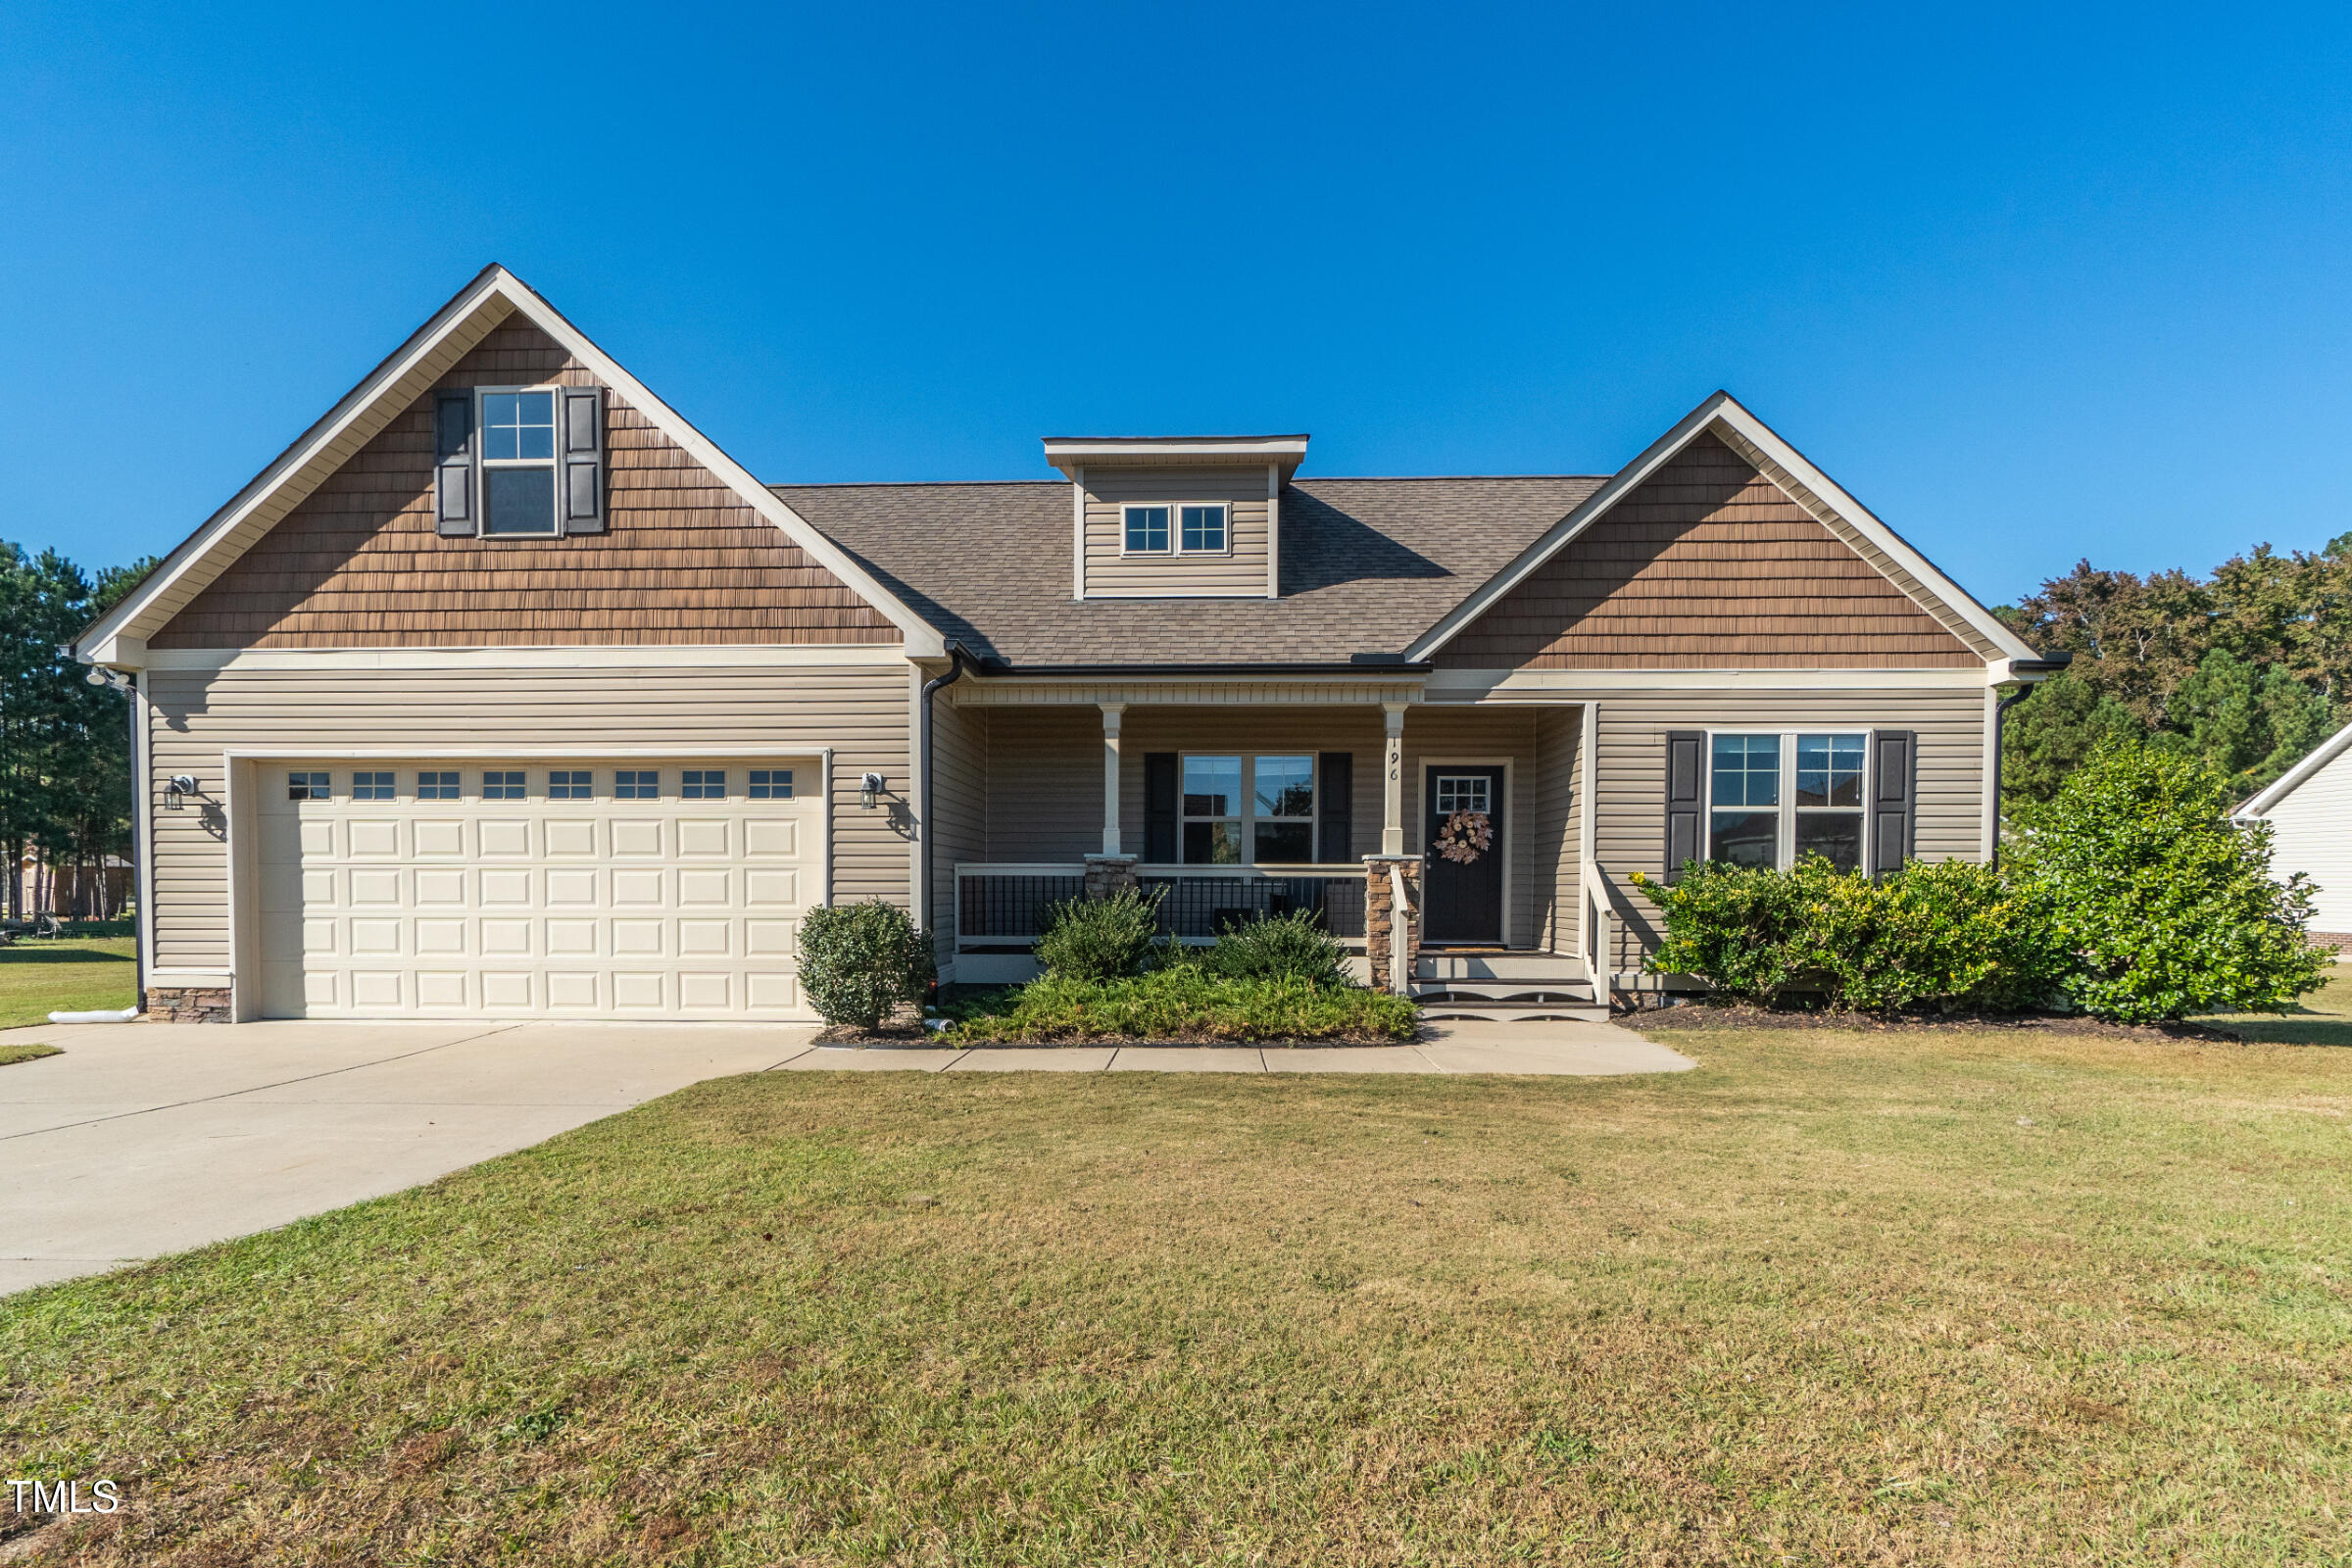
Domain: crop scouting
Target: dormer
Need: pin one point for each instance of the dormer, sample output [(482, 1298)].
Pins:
[(1176, 517)]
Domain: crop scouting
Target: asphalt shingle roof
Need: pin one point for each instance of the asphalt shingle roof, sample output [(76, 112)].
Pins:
[(1367, 566)]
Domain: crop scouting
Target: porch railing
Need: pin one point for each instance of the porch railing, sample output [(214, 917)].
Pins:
[(999, 904)]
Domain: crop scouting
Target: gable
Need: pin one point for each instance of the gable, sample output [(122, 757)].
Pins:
[(1707, 564), (684, 559)]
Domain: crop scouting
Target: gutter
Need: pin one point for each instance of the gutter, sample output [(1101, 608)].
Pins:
[(2033, 667), (1375, 667)]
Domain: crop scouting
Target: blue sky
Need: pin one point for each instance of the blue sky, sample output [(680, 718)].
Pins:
[(2034, 285)]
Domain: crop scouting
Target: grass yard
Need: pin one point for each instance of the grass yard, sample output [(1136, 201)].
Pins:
[(1963, 1295), (40, 976)]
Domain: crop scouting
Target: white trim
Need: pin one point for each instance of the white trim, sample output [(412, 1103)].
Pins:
[(2327, 751), (1273, 531), (499, 290), (1078, 531), (1508, 836), (1587, 833), (519, 754), (643, 655), (142, 827), (1568, 685), (1721, 408), (1990, 829), (1071, 452), (191, 979)]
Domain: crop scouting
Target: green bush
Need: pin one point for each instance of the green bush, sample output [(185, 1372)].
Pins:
[(1181, 1002), (1949, 935), (860, 961), (2167, 907), (1100, 939), (1280, 947)]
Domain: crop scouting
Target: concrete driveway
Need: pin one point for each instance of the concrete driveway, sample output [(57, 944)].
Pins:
[(147, 1139)]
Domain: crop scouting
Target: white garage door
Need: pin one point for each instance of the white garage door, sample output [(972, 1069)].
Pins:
[(594, 888)]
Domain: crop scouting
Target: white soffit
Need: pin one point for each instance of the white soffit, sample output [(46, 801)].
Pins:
[(1069, 454), (362, 414), (1723, 414)]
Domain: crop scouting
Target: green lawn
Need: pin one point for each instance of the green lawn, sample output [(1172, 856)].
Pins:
[(1981, 1295), (71, 975)]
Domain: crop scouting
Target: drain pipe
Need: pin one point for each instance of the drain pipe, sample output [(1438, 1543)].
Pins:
[(2001, 716), (956, 667)]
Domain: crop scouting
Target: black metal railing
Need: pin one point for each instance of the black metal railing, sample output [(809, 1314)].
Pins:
[(1010, 907), (1202, 906)]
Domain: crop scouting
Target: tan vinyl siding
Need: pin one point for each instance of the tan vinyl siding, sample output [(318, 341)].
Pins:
[(1457, 733), (1239, 573), (684, 559), (1707, 565), (197, 715), (1257, 732), (1045, 782), (1632, 771), (1556, 808), (958, 808)]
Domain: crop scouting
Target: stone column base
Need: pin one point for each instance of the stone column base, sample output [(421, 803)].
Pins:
[(1109, 875), (189, 1005), (1380, 917)]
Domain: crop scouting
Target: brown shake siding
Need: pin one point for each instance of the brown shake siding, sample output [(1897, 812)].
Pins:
[(358, 564), (1707, 565)]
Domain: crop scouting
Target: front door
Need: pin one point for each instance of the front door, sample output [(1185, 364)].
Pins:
[(1461, 836)]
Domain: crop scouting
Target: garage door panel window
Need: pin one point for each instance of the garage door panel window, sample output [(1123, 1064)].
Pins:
[(771, 784), (503, 786), (436, 786), (637, 784), (570, 784), (309, 785), (372, 786), (703, 784)]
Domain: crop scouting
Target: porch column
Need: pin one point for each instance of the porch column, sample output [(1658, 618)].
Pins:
[(1392, 783), (1110, 776)]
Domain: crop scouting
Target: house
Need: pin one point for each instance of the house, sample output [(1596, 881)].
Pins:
[(2310, 813), (504, 692), (75, 890)]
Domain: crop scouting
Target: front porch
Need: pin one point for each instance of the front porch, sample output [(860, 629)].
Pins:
[(1232, 805)]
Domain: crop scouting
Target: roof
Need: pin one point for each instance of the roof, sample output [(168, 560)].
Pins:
[(1367, 564), (2327, 751)]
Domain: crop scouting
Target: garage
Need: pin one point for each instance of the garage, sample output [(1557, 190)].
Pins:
[(533, 887)]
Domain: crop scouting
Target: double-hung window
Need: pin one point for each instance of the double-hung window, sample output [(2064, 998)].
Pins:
[(518, 463), (1774, 796), (1249, 809)]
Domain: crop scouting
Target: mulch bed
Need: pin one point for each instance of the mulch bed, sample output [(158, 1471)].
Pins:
[(902, 1037), (1742, 1016)]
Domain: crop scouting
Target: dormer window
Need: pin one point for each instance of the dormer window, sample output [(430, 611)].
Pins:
[(1204, 531), (1146, 529), (518, 463)]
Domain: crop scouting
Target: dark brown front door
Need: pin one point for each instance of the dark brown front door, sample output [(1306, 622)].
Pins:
[(1462, 901)]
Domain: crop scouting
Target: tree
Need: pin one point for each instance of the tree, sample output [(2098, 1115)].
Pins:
[(2167, 907)]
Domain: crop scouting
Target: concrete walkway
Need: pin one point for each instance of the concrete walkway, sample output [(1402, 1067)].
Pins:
[(147, 1139)]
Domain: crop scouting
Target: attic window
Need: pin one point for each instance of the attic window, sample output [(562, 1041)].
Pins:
[(1146, 530), (518, 463)]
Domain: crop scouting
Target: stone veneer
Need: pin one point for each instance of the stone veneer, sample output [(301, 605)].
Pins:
[(1379, 917), (190, 1004), (1109, 875)]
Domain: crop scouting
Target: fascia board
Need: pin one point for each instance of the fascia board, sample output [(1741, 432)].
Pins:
[(351, 409), (2280, 789), (1721, 408)]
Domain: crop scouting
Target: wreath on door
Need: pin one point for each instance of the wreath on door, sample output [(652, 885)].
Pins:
[(1465, 836)]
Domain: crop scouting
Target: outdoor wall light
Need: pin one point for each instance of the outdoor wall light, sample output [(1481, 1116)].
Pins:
[(867, 788), (182, 785)]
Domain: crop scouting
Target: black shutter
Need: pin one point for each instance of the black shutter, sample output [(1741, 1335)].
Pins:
[(1160, 808), (1893, 798), (453, 464), (1335, 807), (582, 491), (1685, 754)]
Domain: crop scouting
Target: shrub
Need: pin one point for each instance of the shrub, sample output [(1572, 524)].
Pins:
[(2167, 907), (1280, 947), (1100, 939), (860, 961), (1949, 935), (1182, 1002)]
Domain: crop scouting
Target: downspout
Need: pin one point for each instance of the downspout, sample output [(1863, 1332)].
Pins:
[(2000, 715), (955, 659), (141, 802)]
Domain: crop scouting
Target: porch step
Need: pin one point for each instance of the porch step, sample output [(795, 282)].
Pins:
[(1498, 1012), (1500, 965)]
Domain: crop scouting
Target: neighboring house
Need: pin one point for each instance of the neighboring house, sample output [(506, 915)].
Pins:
[(2310, 813), (72, 889), (504, 692)]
